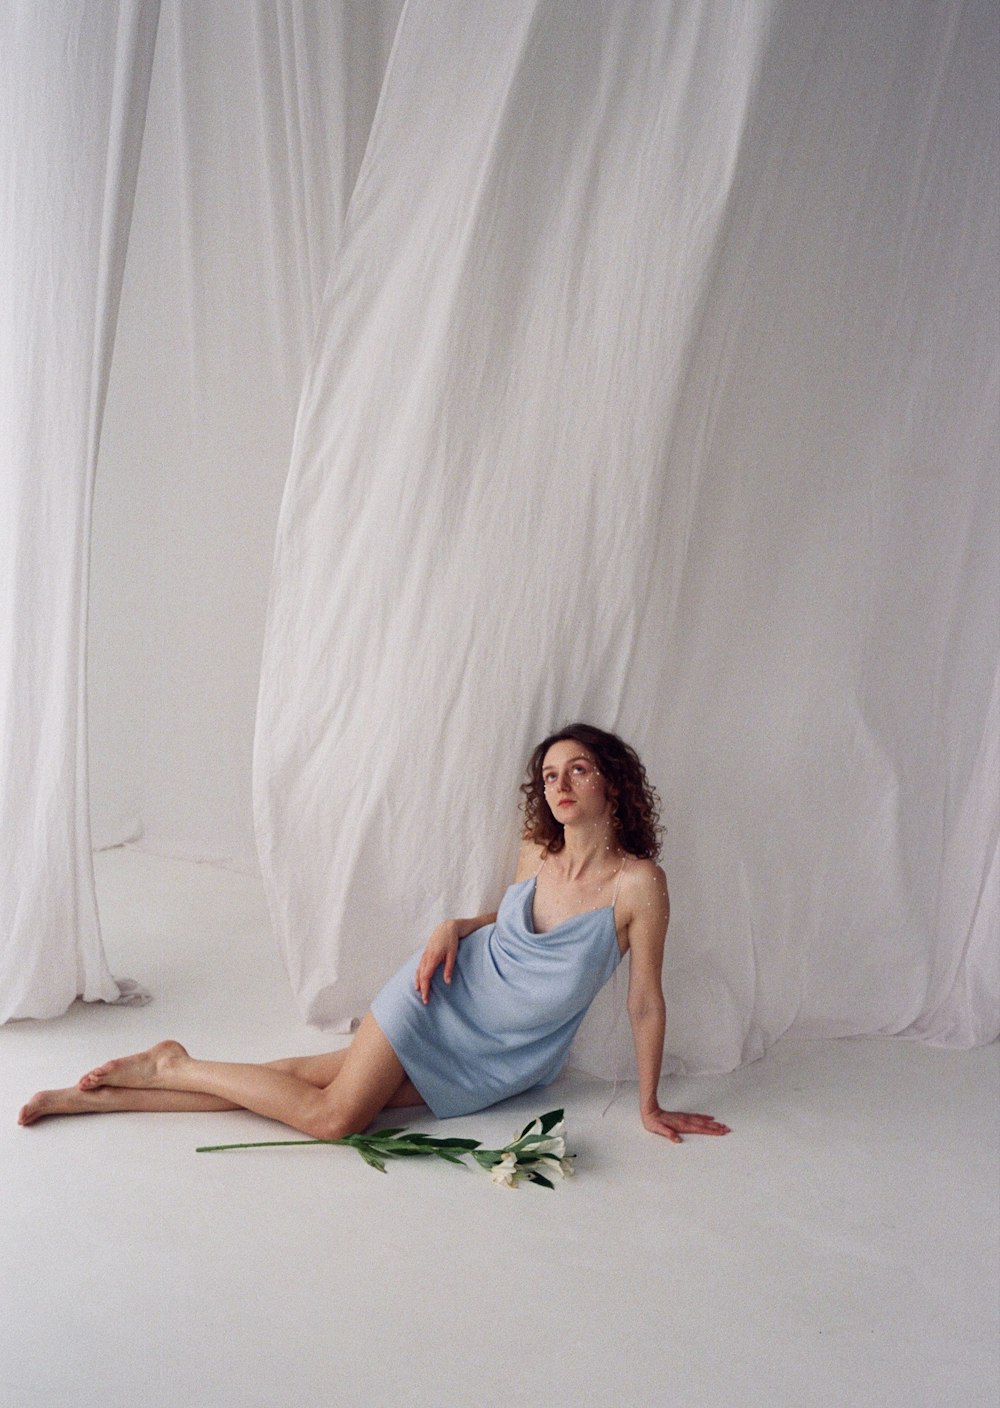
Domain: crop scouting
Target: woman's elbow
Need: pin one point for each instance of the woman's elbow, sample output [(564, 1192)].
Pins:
[(648, 1007)]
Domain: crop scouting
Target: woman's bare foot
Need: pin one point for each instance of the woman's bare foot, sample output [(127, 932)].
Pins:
[(62, 1102), (109, 1099), (146, 1070)]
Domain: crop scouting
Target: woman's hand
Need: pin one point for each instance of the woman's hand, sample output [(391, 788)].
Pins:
[(672, 1124), (442, 947)]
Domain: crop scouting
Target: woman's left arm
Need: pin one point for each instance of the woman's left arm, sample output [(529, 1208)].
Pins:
[(647, 931)]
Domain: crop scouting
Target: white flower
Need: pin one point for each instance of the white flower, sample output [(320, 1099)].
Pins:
[(534, 1131), (506, 1172), (534, 1144), (553, 1144), (549, 1164)]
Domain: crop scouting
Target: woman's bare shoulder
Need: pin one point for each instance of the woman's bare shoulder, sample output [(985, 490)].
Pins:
[(643, 879), (645, 907), (529, 859)]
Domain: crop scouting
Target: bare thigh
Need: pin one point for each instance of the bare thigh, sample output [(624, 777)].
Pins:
[(321, 1070)]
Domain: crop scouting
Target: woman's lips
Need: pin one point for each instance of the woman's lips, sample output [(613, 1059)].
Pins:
[(567, 802)]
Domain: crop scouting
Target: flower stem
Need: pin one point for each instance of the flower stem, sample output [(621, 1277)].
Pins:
[(264, 1144)]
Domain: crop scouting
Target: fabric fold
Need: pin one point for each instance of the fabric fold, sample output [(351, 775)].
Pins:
[(71, 121), (652, 388)]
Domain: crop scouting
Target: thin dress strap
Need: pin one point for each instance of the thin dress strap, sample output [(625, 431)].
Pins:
[(614, 897), (544, 859)]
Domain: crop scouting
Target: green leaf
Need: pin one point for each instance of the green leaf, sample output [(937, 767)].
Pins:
[(372, 1160), (411, 1146), (550, 1120), (540, 1178), (426, 1141)]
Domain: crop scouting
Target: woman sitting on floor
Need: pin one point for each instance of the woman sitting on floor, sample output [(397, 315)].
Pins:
[(490, 1007)]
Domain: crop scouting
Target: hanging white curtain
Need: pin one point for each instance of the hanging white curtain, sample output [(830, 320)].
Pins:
[(258, 117), (72, 103), (656, 383), (657, 386)]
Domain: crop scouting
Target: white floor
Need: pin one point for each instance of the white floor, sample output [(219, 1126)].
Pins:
[(839, 1249)]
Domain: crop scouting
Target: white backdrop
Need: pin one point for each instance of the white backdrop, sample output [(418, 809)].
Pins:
[(655, 381), (657, 385), (258, 117), (71, 116)]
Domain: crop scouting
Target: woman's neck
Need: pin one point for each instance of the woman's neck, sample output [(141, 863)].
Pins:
[(589, 849)]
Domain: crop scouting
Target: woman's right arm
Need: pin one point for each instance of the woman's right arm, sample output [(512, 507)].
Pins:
[(442, 947)]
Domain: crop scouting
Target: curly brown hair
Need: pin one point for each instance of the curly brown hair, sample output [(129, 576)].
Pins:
[(634, 802)]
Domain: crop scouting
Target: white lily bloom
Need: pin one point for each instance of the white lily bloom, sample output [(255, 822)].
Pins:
[(533, 1141), (551, 1164), (552, 1144), (506, 1171)]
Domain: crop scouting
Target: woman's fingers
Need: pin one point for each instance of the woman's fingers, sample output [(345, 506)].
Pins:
[(672, 1124), (425, 973), (698, 1124), (426, 969), (442, 947), (430, 961)]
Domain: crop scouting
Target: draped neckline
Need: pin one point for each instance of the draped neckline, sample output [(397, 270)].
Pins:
[(529, 914)]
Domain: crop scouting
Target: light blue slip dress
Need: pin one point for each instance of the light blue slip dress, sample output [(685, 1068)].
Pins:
[(506, 1021)]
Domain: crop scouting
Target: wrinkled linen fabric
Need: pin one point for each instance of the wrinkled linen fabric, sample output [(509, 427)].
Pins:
[(650, 376), (459, 527), (71, 110), (257, 122), (656, 384)]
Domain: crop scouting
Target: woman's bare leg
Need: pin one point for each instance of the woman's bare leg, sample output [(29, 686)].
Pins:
[(107, 1100), (368, 1078), (319, 1070)]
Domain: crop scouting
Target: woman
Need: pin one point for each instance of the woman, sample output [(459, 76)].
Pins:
[(491, 1005)]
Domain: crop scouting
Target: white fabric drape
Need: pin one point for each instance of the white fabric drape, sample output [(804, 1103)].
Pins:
[(72, 103), (257, 122), (657, 386), (655, 383)]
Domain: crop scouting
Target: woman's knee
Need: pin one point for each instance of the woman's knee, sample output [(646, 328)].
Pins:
[(332, 1121)]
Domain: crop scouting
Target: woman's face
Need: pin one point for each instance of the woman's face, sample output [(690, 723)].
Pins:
[(574, 788)]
